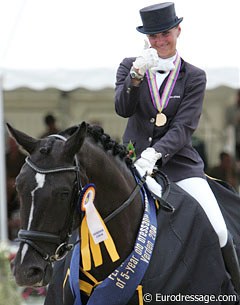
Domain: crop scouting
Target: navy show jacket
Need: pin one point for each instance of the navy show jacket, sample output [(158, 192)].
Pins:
[(173, 140)]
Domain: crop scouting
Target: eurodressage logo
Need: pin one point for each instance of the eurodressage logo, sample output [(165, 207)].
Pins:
[(203, 298)]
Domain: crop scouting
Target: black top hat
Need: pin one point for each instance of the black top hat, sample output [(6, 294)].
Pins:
[(158, 18)]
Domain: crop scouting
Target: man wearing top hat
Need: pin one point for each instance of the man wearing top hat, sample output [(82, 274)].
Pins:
[(162, 97)]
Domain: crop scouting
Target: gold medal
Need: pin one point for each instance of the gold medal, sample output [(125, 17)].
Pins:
[(161, 119)]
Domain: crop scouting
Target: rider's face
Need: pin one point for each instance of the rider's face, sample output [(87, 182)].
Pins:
[(165, 42)]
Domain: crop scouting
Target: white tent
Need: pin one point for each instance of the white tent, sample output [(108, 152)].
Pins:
[(97, 78), (70, 43)]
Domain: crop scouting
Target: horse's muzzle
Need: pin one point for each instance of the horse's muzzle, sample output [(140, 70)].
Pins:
[(32, 275)]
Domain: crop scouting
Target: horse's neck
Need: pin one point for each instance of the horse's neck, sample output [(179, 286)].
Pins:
[(113, 179), (114, 184)]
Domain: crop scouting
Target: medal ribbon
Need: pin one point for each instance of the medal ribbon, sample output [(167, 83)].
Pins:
[(158, 102), (120, 285)]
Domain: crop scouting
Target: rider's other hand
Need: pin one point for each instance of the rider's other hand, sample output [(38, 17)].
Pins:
[(148, 159)]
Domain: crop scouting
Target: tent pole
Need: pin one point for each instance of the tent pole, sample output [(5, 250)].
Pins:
[(3, 197)]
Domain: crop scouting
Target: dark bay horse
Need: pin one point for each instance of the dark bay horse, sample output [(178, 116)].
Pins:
[(185, 261)]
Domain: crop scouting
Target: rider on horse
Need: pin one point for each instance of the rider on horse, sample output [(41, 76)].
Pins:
[(162, 95)]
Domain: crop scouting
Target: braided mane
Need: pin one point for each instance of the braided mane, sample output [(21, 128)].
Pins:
[(97, 133), (108, 144)]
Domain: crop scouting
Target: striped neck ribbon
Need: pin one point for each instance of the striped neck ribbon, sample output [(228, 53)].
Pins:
[(160, 103)]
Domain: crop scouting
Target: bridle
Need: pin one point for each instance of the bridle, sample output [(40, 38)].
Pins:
[(63, 246), (30, 237)]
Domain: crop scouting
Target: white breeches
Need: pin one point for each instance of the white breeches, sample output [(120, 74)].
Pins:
[(199, 189)]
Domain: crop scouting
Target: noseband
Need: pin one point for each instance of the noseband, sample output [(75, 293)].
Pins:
[(30, 237)]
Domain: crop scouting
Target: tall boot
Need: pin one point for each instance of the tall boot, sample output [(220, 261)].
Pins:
[(231, 262)]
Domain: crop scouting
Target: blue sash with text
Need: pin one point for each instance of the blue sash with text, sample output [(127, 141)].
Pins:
[(120, 285)]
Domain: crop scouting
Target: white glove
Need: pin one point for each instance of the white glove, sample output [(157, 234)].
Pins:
[(147, 161), (147, 60)]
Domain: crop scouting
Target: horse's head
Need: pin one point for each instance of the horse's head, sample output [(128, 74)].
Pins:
[(44, 191), (48, 185)]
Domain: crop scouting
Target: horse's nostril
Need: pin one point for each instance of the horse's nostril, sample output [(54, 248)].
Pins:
[(34, 271)]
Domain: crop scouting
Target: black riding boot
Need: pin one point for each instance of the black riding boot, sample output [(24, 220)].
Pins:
[(231, 263)]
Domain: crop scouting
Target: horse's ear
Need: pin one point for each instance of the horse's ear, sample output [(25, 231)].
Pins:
[(74, 143), (28, 143)]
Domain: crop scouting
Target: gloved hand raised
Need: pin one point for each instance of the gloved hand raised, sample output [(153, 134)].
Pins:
[(147, 60), (147, 161)]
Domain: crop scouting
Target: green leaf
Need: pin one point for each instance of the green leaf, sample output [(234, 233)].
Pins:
[(131, 151)]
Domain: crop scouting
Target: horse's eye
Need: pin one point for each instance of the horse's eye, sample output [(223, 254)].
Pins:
[(64, 195)]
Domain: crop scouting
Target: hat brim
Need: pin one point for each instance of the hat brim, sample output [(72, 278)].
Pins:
[(142, 30)]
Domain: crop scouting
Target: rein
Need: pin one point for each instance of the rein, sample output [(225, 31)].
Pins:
[(128, 201)]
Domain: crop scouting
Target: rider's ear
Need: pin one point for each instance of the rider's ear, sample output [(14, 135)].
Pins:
[(74, 143), (28, 143)]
